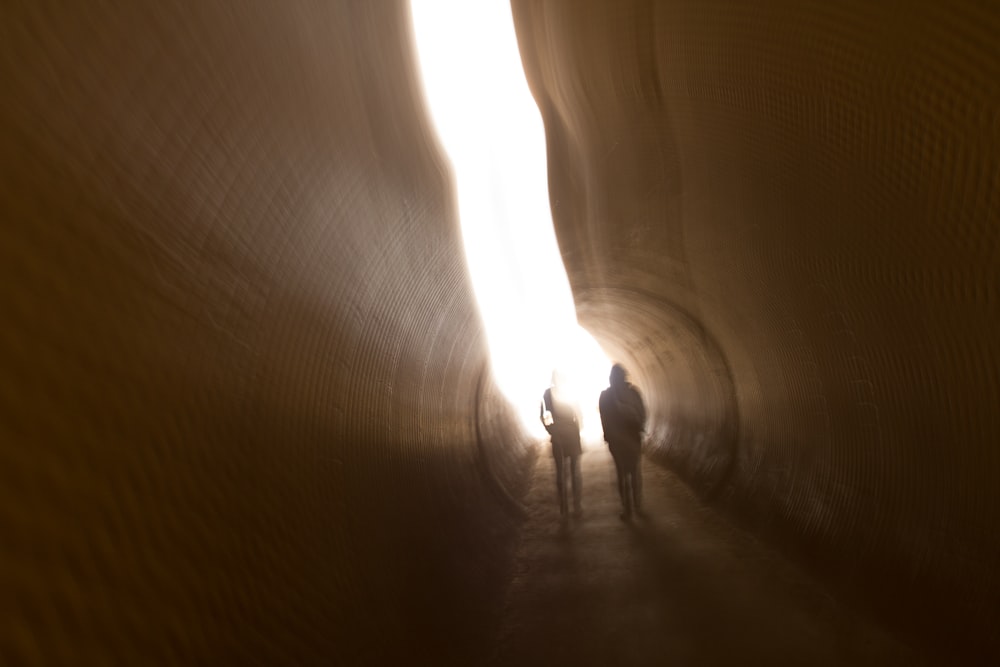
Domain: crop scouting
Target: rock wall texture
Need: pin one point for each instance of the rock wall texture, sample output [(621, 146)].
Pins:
[(241, 358), (245, 416), (785, 218)]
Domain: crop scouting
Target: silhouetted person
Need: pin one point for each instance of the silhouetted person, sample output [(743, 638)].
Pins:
[(561, 419), (623, 417)]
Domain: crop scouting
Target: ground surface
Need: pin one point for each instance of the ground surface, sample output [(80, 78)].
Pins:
[(678, 587)]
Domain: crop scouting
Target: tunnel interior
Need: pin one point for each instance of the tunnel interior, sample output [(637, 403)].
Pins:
[(247, 408)]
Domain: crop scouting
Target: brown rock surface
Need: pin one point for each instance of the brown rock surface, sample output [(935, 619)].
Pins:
[(244, 411), (240, 352), (784, 217)]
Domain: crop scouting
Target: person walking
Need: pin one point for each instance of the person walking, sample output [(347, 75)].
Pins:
[(623, 417), (561, 418)]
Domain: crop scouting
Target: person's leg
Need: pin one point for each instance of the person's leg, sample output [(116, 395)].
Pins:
[(627, 500), (619, 477), (621, 469), (574, 464), (561, 482), (637, 485)]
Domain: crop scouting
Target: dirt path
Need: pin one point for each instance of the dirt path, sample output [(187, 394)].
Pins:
[(679, 587)]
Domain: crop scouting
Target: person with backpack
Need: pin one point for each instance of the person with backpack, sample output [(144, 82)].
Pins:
[(561, 418), (623, 417)]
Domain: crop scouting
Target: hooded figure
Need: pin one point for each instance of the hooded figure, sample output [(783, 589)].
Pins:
[(561, 419), (623, 417)]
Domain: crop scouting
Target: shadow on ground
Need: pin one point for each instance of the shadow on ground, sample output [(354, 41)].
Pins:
[(680, 586)]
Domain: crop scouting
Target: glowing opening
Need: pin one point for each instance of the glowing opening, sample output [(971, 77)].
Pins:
[(492, 132)]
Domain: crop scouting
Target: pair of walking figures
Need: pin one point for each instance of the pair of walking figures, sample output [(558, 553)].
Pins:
[(623, 417)]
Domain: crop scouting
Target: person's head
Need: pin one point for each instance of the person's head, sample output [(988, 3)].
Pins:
[(557, 377), (617, 377)]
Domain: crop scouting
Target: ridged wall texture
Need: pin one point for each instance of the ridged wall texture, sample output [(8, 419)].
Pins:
[(245, 416), (785, 218), (241, 357)]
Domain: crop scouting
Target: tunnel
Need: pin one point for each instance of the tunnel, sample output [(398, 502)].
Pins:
[(248, 412)]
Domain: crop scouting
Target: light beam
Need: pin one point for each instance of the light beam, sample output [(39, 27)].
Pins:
[(492, 132)]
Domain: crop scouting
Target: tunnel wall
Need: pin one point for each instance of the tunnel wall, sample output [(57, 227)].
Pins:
[(242, 364), (783, 217)]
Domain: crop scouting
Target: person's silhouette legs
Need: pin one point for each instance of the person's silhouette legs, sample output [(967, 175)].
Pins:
[(574, 465), (637, 486), (560, 462), (624, 490)]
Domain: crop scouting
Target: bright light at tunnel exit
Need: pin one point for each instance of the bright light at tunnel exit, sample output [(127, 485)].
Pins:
[(492, 132)]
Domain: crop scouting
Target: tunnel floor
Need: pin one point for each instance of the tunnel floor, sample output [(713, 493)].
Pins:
[(679, 587)]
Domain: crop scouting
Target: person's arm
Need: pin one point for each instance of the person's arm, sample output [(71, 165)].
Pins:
[(642, 410), (631, 408), (541, 414), (602, 407)]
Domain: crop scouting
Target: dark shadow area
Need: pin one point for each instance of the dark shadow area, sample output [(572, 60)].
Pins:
[(680, 585)]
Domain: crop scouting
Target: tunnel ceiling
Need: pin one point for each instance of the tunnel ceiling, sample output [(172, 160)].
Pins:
[(245, 410), (783, 217)]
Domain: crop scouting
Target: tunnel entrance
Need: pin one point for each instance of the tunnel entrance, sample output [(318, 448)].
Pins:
[(491, 130)]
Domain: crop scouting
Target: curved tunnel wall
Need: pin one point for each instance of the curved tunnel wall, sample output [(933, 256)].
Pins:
[(240, 349), (799, 201), (242, 366)]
